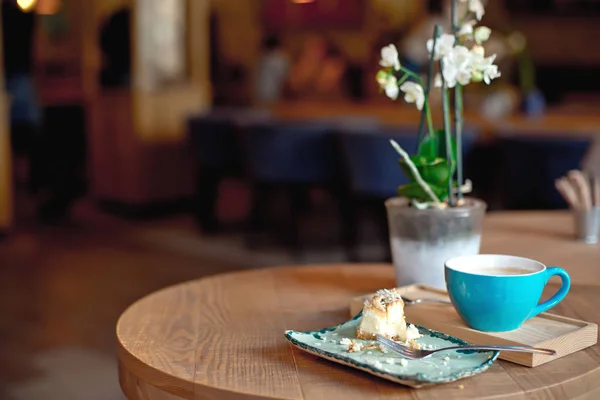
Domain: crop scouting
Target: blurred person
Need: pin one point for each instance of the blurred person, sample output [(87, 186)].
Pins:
[(50, 167), (330, 81), (273, 68), (18, 29), (307, 65), (319, 71), (115, 44)]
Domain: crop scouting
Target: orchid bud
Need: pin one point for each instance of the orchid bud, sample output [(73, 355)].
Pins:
[(477, 76), (478, 50), (481, 34), (382, 77)]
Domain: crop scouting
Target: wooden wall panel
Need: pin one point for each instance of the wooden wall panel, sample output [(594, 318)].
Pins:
[(6, 182), (138, 146)]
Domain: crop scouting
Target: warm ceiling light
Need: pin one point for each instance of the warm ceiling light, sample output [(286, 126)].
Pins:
[(302, 1), (26, 5)]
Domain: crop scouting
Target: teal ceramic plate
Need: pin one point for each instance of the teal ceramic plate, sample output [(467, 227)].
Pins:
[(442, 367)]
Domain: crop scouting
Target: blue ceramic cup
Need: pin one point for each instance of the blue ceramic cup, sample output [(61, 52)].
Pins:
[(497, 293)]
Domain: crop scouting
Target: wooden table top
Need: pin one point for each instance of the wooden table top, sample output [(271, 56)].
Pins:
[(222, 338), (546, 236)]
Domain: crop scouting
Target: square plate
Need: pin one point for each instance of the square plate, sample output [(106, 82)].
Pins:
[(442, 367)]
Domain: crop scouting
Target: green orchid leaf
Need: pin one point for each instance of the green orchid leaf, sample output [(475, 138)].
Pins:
[(429, 147), (420, 161), (435, 147), (413, 190), (434, 171)]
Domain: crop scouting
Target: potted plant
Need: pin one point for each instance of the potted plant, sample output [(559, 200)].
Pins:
[(431, 220)]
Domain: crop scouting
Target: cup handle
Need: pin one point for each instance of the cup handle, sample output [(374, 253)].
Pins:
[(558, 296)]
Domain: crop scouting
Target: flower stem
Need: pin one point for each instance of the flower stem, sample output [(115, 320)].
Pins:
[(403, 79), (447, 133), (458, 126), (412, 75), (426, 113), (454, 17), (458, 113), (415, 173), (409, 73), (429, 119)]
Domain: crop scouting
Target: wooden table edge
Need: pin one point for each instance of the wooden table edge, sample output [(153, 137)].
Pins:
[(130, 364)]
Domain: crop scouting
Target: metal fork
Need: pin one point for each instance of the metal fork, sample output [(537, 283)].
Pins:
[(415, 354)]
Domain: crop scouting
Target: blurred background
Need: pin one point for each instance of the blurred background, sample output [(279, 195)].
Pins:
[(148, 142)]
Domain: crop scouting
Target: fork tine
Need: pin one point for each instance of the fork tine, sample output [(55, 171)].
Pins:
[(401, 350), (398, 348)]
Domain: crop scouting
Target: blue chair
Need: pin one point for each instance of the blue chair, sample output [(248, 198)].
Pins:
[(373, 174), (288, 156), (289, 152), (530, 165), (373, 163), (214, 137)]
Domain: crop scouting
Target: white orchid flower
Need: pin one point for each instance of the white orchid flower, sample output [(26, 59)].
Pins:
[(490, 72), (389, 57), (481, 34), (390, 86), (454, 75), (450, 73), (443, 45), (476, 7), (413, 93), (479, 62), (463, 77), (466, 29), (484, 67), (460, 56), (456, 66)]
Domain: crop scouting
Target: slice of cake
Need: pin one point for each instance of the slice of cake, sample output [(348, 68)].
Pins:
[(383, 315)]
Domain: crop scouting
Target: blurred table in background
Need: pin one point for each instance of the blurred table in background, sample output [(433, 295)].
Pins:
[(551, 123), (546, 236)]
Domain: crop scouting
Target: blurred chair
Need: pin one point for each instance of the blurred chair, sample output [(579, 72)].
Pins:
[(530, 164), (372, 175), (289, 157), (215, 139)]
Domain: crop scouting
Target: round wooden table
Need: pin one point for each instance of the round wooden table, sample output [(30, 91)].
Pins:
[(222, 338), (546, 236)]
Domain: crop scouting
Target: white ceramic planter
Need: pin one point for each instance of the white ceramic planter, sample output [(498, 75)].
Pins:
[(422, 240)]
